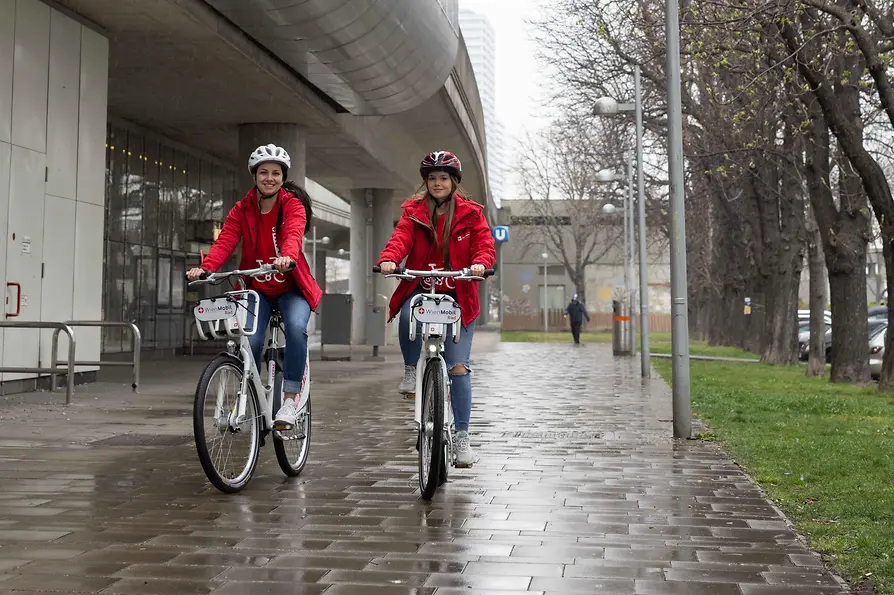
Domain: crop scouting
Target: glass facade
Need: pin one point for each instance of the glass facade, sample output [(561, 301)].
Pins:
[(163, 206)]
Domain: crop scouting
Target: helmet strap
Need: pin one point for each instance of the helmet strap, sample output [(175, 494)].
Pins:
[(262, 195), (444, 201)]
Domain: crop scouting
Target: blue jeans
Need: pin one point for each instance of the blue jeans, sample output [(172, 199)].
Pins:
[(454, 353), (295, 315)]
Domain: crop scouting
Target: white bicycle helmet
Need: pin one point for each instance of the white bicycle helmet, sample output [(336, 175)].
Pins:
[(269, 153)]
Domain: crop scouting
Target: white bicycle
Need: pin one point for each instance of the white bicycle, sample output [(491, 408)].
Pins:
[(240, 405), (433, 413)]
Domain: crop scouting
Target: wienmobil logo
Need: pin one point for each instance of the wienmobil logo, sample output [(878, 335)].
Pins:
[(442, 311), (216, 308)]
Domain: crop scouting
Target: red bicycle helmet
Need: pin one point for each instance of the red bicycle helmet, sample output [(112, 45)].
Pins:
[(441, 161)]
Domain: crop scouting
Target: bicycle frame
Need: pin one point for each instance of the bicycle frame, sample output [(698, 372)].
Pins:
[(434, 332), (433, 338), (230, 319)]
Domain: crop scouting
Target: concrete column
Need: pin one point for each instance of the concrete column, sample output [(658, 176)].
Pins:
[(361, 262), (383, 227), (288, 136)]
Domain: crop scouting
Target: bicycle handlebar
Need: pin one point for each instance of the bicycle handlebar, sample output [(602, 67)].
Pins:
[(463, 275), (264, 269)]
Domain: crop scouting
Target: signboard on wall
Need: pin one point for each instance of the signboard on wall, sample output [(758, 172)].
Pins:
[(501, 234)]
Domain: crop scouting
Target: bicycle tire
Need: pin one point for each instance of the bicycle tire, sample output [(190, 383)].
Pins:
[(214, 476), (433, 400), (279, 446), (444, 470)]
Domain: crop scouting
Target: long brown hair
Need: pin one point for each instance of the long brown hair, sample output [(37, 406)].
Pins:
[(441, 243)]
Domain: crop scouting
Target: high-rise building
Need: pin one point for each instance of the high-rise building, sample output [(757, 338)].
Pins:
[(481, 43)]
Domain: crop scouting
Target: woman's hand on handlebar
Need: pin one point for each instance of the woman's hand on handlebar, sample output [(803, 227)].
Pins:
[(195, 274), (477, 270), (387, 267), (284, 263)]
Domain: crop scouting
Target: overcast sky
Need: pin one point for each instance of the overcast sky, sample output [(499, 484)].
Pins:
[(519, 87)]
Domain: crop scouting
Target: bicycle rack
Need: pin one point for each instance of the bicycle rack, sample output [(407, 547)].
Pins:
[(52, 371), (137, 342)]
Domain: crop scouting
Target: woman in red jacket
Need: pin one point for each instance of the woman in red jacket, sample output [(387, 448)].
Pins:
[(271, 222), (440, 229)]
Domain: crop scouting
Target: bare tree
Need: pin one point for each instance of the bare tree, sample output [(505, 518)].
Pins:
[(558, 178)]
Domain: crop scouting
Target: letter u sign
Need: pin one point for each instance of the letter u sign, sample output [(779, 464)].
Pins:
[(501, 233)]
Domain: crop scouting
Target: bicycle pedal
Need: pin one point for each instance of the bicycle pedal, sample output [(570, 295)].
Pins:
[(410, 396), (289, 438)]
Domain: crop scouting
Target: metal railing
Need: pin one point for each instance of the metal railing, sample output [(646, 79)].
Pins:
[(137, 342), (52, 371)]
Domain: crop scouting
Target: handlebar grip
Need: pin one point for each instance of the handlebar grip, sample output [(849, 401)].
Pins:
[(377, 269), (490, 272), (292, 266), (399, 270)]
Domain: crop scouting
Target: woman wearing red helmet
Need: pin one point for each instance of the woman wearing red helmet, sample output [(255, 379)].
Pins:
[(441, 229)]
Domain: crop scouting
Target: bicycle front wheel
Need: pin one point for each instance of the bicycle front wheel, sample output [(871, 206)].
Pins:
[(293, 446), (431, 431), (228, 447)]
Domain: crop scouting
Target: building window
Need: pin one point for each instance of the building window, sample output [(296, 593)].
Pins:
[(553, 270), (555, 297), (162, 207)]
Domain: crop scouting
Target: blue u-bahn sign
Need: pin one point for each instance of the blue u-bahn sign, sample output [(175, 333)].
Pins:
[(501, 234)]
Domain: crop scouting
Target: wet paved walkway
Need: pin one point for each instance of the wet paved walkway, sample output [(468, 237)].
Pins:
[(577, 488)]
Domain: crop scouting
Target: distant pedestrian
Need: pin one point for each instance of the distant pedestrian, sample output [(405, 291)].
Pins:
[(575, 312)]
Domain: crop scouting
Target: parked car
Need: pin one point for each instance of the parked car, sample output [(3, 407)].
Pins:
[(804, 316), (873, 324), (877, 350)]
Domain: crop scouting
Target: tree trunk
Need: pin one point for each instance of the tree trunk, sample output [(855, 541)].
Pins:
[(816, 363), (849, 133), (780, 344), (844, 231), (784, 240), (886, 380), (754, 331), (847, 283), (580, 285)]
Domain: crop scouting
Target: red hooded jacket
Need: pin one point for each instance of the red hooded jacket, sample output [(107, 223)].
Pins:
[(471, 243), (243, 222)]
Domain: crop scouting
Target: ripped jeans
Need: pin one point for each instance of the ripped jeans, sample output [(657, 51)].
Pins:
[(454, 354)]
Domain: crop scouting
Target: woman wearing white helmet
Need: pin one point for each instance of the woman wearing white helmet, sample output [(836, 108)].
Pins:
[(271, 221)]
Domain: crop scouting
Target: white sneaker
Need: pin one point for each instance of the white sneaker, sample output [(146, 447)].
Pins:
[(287, 416), (408, 386), (464, 456)]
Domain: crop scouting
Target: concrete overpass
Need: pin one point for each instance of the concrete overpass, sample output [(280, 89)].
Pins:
[(179, 91)]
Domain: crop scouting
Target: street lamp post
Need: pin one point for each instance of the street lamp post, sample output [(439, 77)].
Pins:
[(645, 359), (545, 295), (631, 288), (607, 175), (324, 241), (314, 241), (608, 106), (679, 308)]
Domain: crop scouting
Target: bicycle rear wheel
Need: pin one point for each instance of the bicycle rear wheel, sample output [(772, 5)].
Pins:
[(293, 446), (431, 451), (217, 436)]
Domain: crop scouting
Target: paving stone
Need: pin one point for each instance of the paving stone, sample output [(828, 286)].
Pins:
[(578, 487)]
